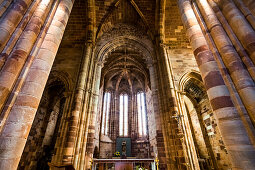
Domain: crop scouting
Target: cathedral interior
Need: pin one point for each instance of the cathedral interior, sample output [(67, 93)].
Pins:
[(127, 84)]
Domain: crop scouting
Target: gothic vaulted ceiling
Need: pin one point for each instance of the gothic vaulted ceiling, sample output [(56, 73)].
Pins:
[(141, 13)]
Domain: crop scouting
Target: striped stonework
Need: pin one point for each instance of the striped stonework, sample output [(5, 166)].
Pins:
[(218, 94), (15, 132)]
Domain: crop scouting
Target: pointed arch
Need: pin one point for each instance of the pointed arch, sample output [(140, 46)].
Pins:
[(193, 74), (192, 86), (106, 23)]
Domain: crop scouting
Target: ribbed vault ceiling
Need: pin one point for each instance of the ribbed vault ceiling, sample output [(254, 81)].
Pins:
[(125, 71)]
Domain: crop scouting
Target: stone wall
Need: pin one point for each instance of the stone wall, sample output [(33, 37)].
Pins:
[(182, 61), (175, 32), (40, 144), (215, 138), (105, 147), (141, 149), (221, 38)]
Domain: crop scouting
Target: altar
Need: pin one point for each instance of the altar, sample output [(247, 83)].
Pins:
[(122, 164)]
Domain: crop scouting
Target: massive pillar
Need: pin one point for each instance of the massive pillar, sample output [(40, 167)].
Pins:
[(68, 151), (15, 131), (76, 136), (18, 31), (240, 26), (12, 19), (161, 133), (239, 74), (57, 157), (236, 43), (90, 130), (246, 12), (22, 49), (251, 5), (234, 135)]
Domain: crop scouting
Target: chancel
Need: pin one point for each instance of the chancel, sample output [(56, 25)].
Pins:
[(127, 84)]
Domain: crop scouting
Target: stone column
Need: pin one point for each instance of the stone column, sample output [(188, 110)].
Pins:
[(57, 157), (116, 116), (135, 129), (12, 18), (4, 5), (240, 76), (18, 31), (21, 51), (90, 130), (111, 113), (19, 83), (227, 79), (234, 135), (246, 12), (15, 132), (77, 106), (240, 26), (251, 5), (76, 132), (87, 127), (175, 125), (188, 137), (162, 116), (238, 46)]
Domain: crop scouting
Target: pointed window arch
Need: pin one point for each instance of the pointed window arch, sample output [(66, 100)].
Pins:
[(123, 119), (106, 110), (142, 121)]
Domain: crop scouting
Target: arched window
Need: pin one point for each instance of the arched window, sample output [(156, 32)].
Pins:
[(123, 124), (142, 123), (106, 110)]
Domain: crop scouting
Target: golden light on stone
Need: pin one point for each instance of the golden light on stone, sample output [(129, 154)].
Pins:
[(82, 80)]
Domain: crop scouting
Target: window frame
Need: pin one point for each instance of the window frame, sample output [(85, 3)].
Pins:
[(106, 113), (123, 115), (141, 114)]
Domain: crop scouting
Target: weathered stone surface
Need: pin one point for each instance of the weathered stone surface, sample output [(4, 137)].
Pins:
[(57, 62)]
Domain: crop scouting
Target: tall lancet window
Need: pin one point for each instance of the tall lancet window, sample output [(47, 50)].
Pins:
[(142, 123), (106, 110), (123, 124)]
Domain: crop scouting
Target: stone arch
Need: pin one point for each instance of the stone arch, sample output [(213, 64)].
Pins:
[(45, 128), (125, 36), (122, 43), (202, 123), (193, 74), (136, 46), (111, 18), (62, 76)]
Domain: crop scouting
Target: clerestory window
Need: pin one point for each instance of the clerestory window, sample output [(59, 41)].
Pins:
[(123, 119), (142, 123), (106, 110)]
